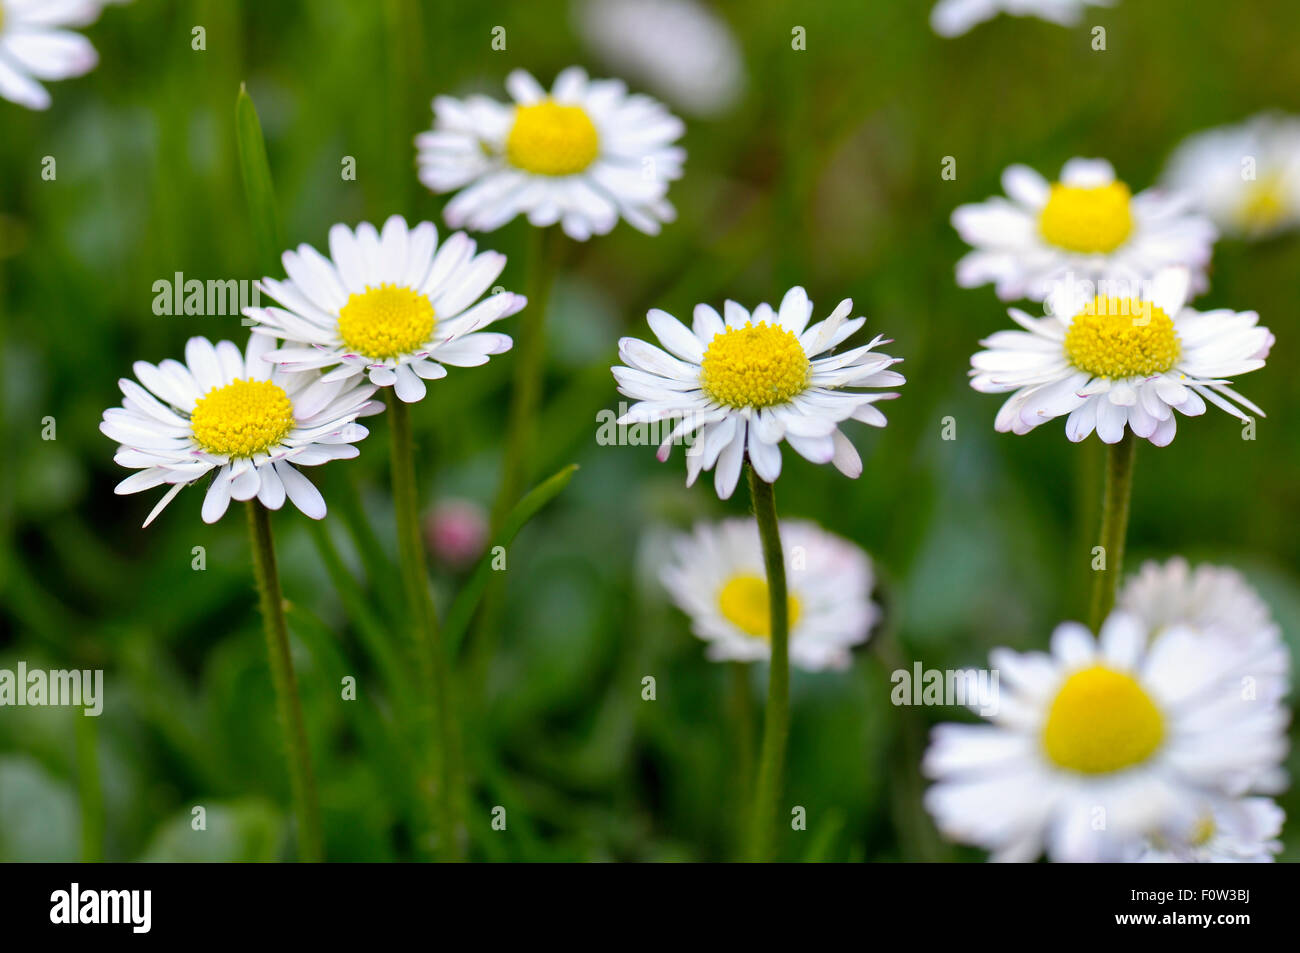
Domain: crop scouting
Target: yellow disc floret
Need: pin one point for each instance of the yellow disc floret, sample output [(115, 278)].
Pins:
[(1102, 721), (550, 139), (243, 418), (1087, 220), (755, 366), (386, 321), (1264, 206), (743, 602), (1122, 337)]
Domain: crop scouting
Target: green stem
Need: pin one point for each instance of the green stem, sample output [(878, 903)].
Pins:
[(530, 361), (90, 791), (427, 635), (530, 364), (306, 806), (1114, 526), (742, 713), (776, 719)]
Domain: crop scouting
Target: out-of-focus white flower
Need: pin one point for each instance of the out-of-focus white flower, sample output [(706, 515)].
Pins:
[(35, 45), (680, 49), (955, 17), (717, 577), (582, 155), (1245, 177), (1104, 741), (1087, 226)]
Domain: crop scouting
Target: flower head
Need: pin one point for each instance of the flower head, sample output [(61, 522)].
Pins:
[(1111, 363), (1087, 226), (1244, 177), (1102, 743), (583, 155), (716, 576), (740, 387), (391, 305), (239, 417), (34, 45)]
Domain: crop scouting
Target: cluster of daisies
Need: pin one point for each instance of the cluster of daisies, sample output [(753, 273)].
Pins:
[(387, 309), (391, 307), (1160, 737)]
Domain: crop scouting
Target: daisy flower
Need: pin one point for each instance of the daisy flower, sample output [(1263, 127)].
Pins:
[(716, 577), (1245, 177), (1086, 226), (679, 48), (1111, 363), (1100, 742), (34, 45), (238, 415), (392, 305), (1223, 831), (744, 385), (955, 17), (583, 155)]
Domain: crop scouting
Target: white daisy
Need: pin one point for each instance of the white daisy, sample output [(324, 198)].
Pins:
[(680, 49), (34, 46), (717, 577), (1111, 363), (955, 17), (1099, 743), (743, 386), (238, 415), (582, 155), (393, 305), (1245, 177), (1223, 831), (1086, 227)]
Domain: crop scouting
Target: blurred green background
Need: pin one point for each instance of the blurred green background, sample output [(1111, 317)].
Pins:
[(827, 174)]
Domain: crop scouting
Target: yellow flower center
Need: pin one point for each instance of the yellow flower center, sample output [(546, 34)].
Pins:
[(550, 139), (743, 603), (386, 321), (1087, 220), (242, 418), (755, 366), (1264, 205), (1102, 721), (1203, 831), (1122, 337)]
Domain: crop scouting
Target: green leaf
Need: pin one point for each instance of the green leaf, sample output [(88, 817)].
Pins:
[(256, 173), (462, 610)]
